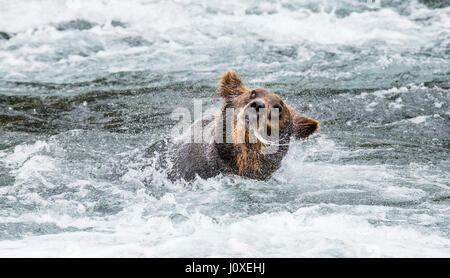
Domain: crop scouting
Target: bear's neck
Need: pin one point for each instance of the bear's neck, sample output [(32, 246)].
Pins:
[(247, 159)]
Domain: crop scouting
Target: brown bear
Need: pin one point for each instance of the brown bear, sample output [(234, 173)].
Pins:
[(238, 139)]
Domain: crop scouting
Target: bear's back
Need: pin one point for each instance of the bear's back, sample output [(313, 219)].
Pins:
[(194, 154)]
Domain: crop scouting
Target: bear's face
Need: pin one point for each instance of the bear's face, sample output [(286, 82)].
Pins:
[(262, 112), (261, 121)]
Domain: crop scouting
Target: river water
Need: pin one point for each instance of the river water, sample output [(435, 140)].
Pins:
[(86, 86)]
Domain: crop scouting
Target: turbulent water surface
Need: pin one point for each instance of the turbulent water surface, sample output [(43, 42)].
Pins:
[(85, 87)]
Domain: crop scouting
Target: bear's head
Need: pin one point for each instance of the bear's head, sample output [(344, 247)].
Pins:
[(262, 125)]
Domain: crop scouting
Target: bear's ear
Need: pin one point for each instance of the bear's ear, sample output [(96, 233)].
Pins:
[(304, 126), (231, 85)]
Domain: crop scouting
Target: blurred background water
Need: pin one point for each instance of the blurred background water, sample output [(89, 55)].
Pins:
[(86, 86)]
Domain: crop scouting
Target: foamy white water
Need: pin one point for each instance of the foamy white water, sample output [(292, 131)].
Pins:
[(86, 86), (61, 41)]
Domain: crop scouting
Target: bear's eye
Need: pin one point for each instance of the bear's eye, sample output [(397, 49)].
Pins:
[(279, 107), (253, 94)]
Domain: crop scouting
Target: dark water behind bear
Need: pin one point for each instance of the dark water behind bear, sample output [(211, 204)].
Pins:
[(86, 87)]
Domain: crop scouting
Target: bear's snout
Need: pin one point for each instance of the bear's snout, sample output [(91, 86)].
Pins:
[(257, 104), (253, 110)]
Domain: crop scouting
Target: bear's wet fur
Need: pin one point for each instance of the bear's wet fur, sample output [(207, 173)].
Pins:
[(232, 151)]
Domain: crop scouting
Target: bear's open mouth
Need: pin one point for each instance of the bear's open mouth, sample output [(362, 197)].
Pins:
[(252, 117), (259, 136), (254, 122), (265, 141)]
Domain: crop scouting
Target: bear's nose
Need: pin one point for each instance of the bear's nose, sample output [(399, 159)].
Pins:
[(257, 104)]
